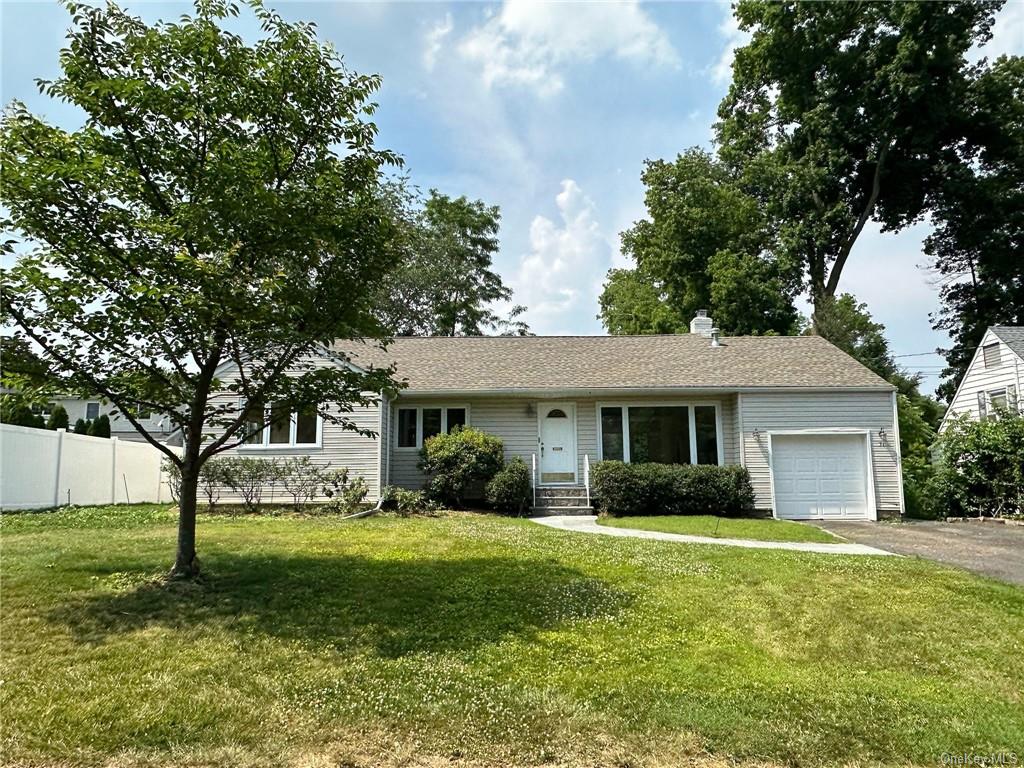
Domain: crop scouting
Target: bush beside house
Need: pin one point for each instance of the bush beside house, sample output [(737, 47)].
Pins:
[(510, 490), (621, 489), (981, 469), (460, 464)]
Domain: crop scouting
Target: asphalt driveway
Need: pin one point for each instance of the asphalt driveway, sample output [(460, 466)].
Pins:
[(990, 549)]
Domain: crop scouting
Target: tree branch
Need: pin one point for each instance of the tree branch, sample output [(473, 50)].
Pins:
[(869, 207)]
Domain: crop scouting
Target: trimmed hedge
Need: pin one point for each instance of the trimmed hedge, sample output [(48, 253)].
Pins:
[(622, 490)]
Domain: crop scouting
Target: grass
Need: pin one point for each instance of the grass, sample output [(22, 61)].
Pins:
[(724, 527), (479, 640)]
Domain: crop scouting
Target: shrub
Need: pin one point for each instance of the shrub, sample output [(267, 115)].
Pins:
[(211, 480), (302, 479), (982, 468), (671, 489), (460, 463), (58, 418), (918, 477), (14, 411), (247, 477), (344, 495), (405, 502), (510, 489), (100, 427), (173, 476), (81, 427)]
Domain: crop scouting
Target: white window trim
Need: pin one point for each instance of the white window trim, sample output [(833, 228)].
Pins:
[(419, 421), (293, 424), (690, 404)]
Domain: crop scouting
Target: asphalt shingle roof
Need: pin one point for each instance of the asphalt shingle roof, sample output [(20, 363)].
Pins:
[(502, 363), (1012, 336)]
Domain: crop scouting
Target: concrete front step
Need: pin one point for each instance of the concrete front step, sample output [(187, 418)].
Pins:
[(546, 511), (561, 501), (563, 491)]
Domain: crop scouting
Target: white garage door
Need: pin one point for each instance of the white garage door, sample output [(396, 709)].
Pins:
[(820, 477)]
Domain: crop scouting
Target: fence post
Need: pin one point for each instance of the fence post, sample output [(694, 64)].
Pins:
[(113, 470), (56, 479)]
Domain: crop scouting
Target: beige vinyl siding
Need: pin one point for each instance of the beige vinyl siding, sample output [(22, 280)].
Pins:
[(981, 379), (784, 411), (514, 420), (338, 447)]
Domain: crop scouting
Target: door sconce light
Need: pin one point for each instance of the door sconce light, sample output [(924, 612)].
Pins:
[(883, 436), (757, 434)]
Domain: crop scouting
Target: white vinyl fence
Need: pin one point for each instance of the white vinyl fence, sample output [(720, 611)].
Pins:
[(41, 468)]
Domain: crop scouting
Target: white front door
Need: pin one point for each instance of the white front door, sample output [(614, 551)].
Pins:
[(820, 477), (557, 442)]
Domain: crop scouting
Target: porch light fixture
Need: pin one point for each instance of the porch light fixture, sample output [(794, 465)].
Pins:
[(757, 434), (883, 436)]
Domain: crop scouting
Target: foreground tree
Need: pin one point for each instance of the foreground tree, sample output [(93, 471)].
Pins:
[(446, 285), (202, 217)]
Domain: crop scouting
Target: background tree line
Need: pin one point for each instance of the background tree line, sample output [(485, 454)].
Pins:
[(838, 114)]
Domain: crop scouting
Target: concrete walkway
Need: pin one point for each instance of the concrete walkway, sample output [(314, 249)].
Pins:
[(588, 524)]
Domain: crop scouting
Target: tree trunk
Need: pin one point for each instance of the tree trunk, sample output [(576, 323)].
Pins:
[(186, 564)]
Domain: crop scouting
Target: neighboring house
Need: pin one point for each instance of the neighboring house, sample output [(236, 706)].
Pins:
[(994, 378), (158, 425), (815, 428)]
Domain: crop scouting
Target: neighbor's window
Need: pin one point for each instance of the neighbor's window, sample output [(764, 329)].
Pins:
[(418, 424), (92, 411), (991, 355), (279, 426), (998, 400), (675, 434)]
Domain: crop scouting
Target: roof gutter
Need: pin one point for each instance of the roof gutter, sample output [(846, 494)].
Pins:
[(634, 391)]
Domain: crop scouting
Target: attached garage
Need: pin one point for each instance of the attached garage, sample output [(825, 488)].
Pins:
[(821, 476)]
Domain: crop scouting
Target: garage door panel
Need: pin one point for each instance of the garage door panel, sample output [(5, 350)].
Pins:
[(820, 476)]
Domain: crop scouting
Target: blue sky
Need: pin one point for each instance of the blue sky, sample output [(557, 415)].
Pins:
[(547, 110)]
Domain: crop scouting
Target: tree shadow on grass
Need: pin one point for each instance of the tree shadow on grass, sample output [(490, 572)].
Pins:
[(391, 607)]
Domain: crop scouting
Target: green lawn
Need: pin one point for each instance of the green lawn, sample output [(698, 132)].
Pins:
[(724, 527), (479, 640)]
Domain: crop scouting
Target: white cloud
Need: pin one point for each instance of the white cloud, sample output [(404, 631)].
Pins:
[(735, 38), (1007, 34), (528, 43), (434, 41), (566, 265)]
